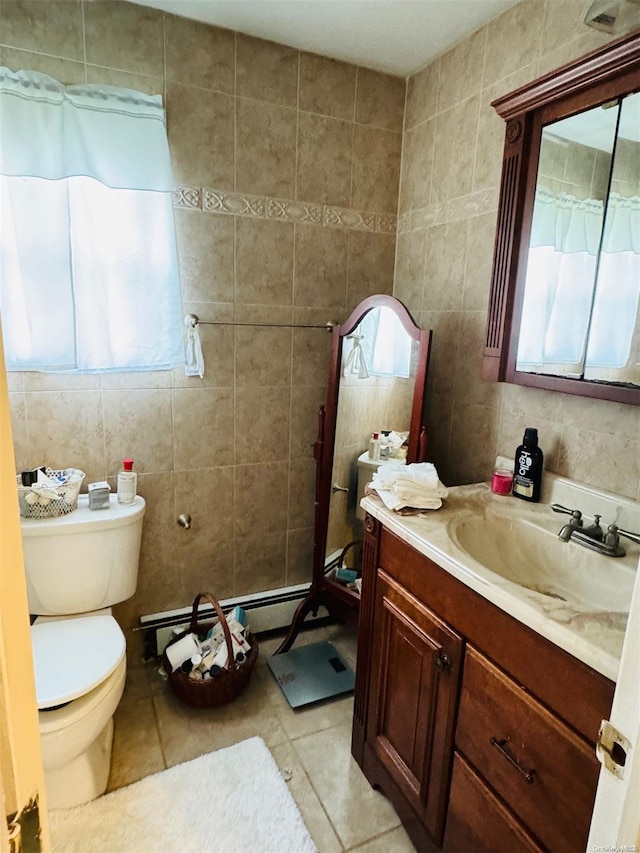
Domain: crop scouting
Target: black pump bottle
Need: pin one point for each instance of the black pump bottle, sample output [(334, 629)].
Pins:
[(528, 467)]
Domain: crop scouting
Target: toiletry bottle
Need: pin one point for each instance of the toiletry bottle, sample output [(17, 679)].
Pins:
[(127, 483), (528, 467), (374, 446)]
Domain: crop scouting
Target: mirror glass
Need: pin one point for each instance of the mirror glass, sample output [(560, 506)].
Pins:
[(377, 375), (582, 285)]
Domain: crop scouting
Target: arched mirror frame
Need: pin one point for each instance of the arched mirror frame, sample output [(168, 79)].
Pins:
[(336, 598), (600, 76)]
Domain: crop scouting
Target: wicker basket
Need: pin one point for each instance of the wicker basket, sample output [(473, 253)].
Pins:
[(229, 683), (46, 505)]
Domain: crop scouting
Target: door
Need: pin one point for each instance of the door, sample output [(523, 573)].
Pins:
[(21, 774), (615, 824), (416, 661)]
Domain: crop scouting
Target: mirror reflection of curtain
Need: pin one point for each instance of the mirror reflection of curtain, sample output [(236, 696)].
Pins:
[(385, 344), (565, 236), (615, 309)]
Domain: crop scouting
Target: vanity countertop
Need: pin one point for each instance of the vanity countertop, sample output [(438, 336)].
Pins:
[(592, 634)]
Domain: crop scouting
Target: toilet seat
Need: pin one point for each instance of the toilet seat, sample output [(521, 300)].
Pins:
[(72, 656)]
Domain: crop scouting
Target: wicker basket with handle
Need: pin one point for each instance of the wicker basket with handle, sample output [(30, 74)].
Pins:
[(229, 683)]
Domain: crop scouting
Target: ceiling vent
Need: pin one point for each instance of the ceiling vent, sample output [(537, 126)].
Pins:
[(616, 17)]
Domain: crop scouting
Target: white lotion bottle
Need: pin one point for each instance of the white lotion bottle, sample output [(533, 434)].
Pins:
[(127, 483)]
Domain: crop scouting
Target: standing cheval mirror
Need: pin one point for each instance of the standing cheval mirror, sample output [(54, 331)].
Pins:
[(377, 379)]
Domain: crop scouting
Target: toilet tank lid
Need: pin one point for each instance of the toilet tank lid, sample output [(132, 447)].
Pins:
[(72, 656), (85, 520)]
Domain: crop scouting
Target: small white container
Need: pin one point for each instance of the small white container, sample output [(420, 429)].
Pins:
[(127, 483)]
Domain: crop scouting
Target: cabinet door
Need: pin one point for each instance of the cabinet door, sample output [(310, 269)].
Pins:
[(414, 687)]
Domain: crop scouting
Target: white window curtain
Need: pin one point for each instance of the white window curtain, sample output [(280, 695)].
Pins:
[(565, 237), (615, 309), (385, 344), (560, 306), (88, 264)]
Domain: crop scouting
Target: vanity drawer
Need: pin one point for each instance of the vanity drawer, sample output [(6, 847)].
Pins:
[(532, 760), (477, 820)]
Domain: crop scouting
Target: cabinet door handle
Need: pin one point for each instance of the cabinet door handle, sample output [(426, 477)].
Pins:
[(443, 663), (503, 749)]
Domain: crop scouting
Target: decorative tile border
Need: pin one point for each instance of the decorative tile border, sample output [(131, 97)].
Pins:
[(473, 204), (283, 210)]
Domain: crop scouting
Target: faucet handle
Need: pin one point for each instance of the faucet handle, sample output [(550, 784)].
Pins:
[(635, 537), (574, 513)]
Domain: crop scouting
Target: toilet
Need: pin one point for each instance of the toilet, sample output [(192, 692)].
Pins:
[(77, 566)]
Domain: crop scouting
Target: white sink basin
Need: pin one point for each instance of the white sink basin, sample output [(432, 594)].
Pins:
[(534, 558)]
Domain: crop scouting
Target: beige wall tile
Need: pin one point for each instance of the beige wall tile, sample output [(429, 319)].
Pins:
[(324, 159), (54, 27), (305, 404), (561, 19), (446, 326), (204, 568), (474, 441), (311, 353), (600, 458), (125, 79), (422, 95), (327, 86), (417, 164), (265, 149), (459, 78), (207, 494), (261, 499), (376, 169), (409, 272), (66, 430), (129, 381), (479, 262), (513, 40), (200, 125), (218, 351), (202, 428), (301, 488), (18, 406), (371, 262), (380, 99), (124, 35), (264, 262), (454, 150), (138, 426), (468, 383), (206, 255), (199, 55), (299, 556), (263, 357), (266, 71), (320, 267), (446, 250), (262, 424), (261, 561), (66, 71)]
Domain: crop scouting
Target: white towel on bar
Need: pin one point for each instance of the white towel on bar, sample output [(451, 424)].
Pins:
[(194, 360)]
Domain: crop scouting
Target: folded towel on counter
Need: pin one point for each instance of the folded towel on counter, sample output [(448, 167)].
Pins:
[(408, 487)]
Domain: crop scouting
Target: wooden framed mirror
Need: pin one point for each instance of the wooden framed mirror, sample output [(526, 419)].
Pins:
[(377, 379), (564, 310)]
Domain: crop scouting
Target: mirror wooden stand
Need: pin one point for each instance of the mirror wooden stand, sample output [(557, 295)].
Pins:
[(398, 373), (597, 79)]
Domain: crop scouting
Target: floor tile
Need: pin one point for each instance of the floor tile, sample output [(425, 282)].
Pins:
[(187, 732), (396, 841), (357, 812), (311, 809), (143, 682), (136, 745)]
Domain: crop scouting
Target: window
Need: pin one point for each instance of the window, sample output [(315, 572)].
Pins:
[(88, 262)]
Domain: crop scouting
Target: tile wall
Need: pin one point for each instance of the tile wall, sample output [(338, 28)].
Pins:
[(288, 167), (452, 155)]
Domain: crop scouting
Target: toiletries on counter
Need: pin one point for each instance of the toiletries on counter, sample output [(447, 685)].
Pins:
[(99, 495), (127, 483), (374, 446), (528, 467)]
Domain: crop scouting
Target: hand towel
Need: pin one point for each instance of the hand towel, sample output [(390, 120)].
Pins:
[(194, 360)]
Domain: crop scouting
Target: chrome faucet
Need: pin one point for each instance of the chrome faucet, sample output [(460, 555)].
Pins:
[(593, 536)]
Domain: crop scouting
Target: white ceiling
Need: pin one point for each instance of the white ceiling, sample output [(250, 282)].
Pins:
[(397, 36)]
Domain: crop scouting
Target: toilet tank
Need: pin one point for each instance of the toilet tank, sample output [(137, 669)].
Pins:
[(82, 561)]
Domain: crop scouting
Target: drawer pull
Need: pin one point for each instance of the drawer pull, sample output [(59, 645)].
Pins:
[(443, 663), (501, 746)]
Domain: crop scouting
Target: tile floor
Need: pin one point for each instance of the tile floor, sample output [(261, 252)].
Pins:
[(342, 812)]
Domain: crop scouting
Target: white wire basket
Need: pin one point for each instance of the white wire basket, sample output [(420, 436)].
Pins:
[(48, 503)]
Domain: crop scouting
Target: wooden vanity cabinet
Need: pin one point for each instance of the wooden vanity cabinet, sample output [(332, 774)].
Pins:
[(480, 731)]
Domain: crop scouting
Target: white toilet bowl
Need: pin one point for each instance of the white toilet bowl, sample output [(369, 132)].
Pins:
[(80, 670)]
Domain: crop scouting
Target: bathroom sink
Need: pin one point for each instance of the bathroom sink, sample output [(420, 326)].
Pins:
[(535, 559)]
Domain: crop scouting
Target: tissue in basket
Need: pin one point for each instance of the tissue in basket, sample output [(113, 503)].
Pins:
[(48, 501)]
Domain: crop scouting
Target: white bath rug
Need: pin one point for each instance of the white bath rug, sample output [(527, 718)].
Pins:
[(230, 801)]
